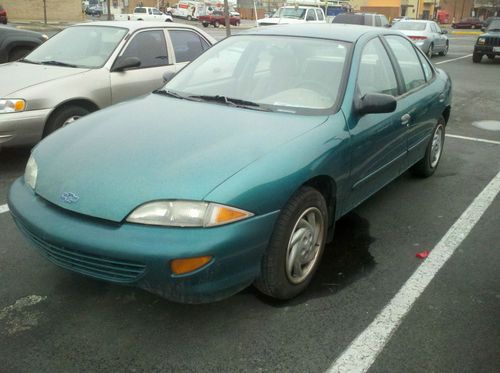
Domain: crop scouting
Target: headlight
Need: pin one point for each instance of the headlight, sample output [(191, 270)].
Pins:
[(12, 105), (186, 214), (481, 40), (31, 173)]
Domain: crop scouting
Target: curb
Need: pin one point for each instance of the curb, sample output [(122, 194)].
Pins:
[(467, 32)]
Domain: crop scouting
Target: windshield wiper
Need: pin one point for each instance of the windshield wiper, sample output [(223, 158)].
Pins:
[(168, 93), (57, 63), (28, 61), (236, 102)]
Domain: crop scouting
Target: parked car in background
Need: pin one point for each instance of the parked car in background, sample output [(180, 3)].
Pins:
[(427, 35), (236, 171), (94, 10), (3, 16), (87, 67), (218, 18), (468, 23), (293, 15), (487, 22), (15, 44), (366, 19), (402, 18), (144, 13), (488, 44)]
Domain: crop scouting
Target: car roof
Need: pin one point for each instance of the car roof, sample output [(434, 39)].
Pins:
[(333, 31), (417, 20), (136, 25)]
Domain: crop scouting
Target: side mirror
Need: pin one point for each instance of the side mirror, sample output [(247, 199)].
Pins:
[(126, 63), (168, 75), (444, 31), (376, 103)]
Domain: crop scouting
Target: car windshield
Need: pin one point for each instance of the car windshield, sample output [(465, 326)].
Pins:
[(292, 74), (79, 46), (296, 13), (494, 25), (410, 26)]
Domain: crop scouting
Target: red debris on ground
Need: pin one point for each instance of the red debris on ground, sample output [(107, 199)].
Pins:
[(423, 254)]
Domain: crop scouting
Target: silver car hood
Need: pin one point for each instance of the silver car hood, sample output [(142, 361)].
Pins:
[(16, 76)]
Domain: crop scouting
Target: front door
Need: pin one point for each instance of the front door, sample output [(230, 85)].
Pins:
[(378, 140), (150, 48)]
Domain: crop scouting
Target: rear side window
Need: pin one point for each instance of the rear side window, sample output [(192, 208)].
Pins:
[(319, 14), (149, 47), (378, 21), (428, 71), (311, 15), (188, 45), (376, 74), (351, 19), (369, 20), (140, 10), (408, 61)]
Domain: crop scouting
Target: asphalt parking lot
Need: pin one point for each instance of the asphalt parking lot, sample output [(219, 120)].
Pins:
[(55, 321)]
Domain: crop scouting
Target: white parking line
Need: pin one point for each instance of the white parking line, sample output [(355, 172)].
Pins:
[(3, 208), (363, 351), (473, 139), (453, 59)]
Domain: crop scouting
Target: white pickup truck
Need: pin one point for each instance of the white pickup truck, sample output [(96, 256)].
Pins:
[(294, 14), (144, 13)]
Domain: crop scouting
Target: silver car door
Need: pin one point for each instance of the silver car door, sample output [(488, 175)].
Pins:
[(151, 49)]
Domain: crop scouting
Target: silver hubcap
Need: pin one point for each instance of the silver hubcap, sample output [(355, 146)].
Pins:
[(304, 245), (437, 146), (70, 120)]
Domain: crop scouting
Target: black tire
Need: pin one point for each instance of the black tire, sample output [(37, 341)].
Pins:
[(61, 115), (189, 18), (430, 51), (444, 52), (205, 24), (273, 279), (491, 56), (425, 168), (216, 24), (18, 53), (477, 57), (237, 23)]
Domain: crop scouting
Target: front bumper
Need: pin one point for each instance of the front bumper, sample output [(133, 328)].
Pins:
[(487, 49), (140, 255), (25, 128)]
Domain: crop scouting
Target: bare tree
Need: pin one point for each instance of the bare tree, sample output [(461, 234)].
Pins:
[(108, 2), (226, 18)]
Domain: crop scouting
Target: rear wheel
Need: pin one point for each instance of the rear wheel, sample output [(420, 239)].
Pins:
[(476, 57), (18, 53), (189, 18), (237, 23), (296, 246), (427, 165), (491, 56), (216, 24), (63, 117)]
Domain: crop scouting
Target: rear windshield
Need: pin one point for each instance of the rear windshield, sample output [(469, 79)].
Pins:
[(351, 19), (408, 25)]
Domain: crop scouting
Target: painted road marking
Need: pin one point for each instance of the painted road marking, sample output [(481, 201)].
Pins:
[(362, 352), (453, 59), (471, 139), (3, 208)]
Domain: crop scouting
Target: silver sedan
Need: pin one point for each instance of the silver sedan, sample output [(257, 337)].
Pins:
[(87, 67), (427, 35)]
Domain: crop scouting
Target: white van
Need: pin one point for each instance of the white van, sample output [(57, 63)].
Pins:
[(189, 10)]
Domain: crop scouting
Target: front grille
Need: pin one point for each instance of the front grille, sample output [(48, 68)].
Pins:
[(493, 41), (98, 266)]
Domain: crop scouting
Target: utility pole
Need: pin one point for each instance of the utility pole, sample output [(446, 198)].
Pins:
[(108, 2), (45, 11), (226, 18)]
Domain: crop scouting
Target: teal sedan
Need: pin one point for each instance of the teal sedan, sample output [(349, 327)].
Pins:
[(235, 172)]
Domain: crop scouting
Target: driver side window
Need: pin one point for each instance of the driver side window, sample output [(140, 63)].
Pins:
[(376, 74), (149, 47)]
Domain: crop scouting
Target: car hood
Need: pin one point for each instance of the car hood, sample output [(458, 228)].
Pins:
[(16, 76), (155, 148)]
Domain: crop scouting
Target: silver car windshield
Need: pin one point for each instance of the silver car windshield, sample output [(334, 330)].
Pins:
[(294, 13), (279, 73), (79, 46), (409, 25)]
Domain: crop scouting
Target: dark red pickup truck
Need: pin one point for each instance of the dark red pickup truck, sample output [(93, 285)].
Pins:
[(3, 15), (217, 18)]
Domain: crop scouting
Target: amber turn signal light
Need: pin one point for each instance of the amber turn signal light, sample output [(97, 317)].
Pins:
[(182, 266)]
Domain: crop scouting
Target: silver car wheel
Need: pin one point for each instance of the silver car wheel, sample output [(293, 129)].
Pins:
[(70, 120), (430, 51), (437, 146), (304, 245)]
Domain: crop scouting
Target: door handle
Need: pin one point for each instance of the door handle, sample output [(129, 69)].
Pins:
[(405, 120)]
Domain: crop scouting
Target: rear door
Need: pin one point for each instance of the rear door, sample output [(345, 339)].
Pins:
[(150, 47), (419, 99)]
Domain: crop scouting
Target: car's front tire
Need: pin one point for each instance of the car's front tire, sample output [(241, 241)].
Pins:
[(430, 51), (63, 117), (477, 57), (296, 246), (444, 52), (427, 165)]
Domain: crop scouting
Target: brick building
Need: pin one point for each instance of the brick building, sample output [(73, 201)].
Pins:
[(32, 10)]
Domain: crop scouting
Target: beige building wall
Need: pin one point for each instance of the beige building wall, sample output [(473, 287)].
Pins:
[(32, 10)]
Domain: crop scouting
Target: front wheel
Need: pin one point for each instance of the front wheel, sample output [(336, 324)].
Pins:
[(477, 57), (189, 18), (427, 165), (205, 24), (444, 52), (430, 51), (296, 246), (63, 117)]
